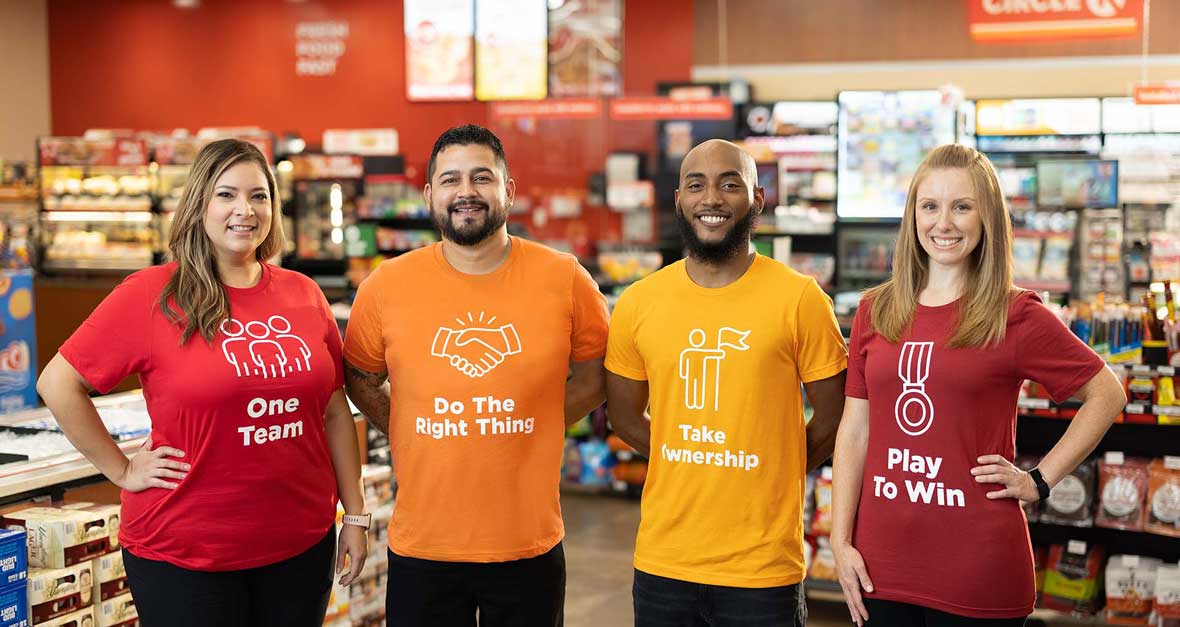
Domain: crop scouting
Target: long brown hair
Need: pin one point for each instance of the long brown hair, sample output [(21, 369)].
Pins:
[(983, 307), (195, 288)]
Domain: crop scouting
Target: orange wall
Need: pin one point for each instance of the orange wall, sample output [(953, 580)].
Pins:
[(145, 64)]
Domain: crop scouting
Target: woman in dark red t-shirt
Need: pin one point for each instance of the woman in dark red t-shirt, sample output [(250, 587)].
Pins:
[(229, 508), (928, 528)]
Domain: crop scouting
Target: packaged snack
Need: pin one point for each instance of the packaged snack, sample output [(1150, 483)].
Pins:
[(1072, 499), (821, 522), (1072, 578), (1130, 588), (1122, 492), (1032, 509), (1040, 560), (1163, 497), (1167, 595), (823, 563)]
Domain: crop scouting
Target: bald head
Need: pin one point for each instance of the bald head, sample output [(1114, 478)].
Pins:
[(717, 156)]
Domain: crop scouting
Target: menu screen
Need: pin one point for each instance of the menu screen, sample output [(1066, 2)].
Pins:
[(882, 137), (511, 50), (585, 48), (439, 57)]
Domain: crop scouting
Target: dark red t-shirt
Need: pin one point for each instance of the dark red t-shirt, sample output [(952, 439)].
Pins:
[(928, 534), (248, 412)]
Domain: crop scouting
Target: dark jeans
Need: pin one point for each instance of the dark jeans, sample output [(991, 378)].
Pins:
[(663, 602), (520, 593), (290, 593), (894, 614)]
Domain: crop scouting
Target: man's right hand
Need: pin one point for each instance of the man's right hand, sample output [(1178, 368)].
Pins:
[(150, 468)]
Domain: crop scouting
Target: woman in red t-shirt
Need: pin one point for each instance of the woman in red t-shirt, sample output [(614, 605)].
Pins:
[(229, 508), (928, 528)]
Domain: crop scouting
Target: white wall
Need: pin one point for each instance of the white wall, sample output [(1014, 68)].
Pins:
[(24, 76)]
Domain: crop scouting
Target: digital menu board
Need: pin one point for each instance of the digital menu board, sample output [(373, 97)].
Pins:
[(585, 48), (881, 139), (1090, 183), (439, 55), (1122, 115), (1038, 116), (511, 50)]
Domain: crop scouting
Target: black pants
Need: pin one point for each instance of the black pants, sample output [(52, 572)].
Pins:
[(663, 602), (520, 593), (894, 614), (290, 593)]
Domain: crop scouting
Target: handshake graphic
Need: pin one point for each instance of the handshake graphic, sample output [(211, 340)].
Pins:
[(476, 351)]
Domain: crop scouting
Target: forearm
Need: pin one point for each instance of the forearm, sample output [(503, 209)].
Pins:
[(1085, 431), (340, 429), (821, 436), (369, 391), (82, 426), (847, 478), (583, 394), (633, 428)]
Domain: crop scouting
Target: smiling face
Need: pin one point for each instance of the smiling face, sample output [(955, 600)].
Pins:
[(238, 216), (718, 201), (948, 218), (469, 195)]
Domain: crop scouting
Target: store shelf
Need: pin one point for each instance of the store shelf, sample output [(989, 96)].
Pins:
[(1116, 541), (401, 223), (1044, 286), (1038, 434), (112, 265)]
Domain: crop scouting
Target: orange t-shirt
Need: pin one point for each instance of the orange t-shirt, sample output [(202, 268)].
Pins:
[(477, 367)]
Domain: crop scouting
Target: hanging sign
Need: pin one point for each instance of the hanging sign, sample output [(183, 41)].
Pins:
[(1050, 20)]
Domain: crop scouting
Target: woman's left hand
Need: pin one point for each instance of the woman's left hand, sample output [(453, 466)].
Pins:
[(355, 545), (1017, 483)]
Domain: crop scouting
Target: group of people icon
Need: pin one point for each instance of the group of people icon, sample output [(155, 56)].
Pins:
[(268, 350)]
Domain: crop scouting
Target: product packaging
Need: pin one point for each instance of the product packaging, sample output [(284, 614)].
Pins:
[(1122, 492), (1130, 589), (1072, 578), (81, 618), (821, 521), (1163, 497), (109, 513), (1072, 499), (110, 578), (59, 591), (14, 557), (823, 563), (117, 612), (1167, 596), (58, 537), (14, 606)]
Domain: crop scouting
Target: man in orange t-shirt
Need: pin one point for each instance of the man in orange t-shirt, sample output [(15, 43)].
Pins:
[(460, 353)]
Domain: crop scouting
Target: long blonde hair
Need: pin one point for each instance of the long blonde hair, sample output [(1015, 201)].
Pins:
[(983, 308), (195, 288)]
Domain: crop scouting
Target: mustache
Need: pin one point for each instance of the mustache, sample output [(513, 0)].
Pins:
[(466, 204)]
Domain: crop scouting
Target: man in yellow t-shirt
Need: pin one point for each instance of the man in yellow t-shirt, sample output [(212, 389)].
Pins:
[(719, 346)]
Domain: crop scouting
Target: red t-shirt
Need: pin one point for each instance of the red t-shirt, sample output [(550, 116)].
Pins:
[(928, 533), (247, 411)]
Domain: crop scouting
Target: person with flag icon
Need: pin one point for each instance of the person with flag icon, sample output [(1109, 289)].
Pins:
[(721, 346)]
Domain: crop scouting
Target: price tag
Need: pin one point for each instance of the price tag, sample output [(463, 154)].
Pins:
[(624, 456), (826, 473), (1135, 408), (1141, 369), (1076, 547), (619, 486), (1034, 403), (1114, 458), (1166, 410), (1131, 561), (1167, 371), (1172, 462)]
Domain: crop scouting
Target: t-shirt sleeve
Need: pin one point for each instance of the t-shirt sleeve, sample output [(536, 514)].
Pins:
[(364, 339), (854, 385), (332, 339), (820, 350), (622, 355), (1047, 352), (589, 332), (114, 342)]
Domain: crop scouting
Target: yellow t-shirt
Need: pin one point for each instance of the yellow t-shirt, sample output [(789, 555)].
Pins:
[(723, 502)]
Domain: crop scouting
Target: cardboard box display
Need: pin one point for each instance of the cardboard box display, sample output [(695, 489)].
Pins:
[(110, 577), (14, 557), (117, 612), (81, 618), (14, 606), (110, 513), (58, 537), (59, 591)]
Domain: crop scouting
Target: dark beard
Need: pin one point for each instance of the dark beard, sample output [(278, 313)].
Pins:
[(735, 242), (465, 235)]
